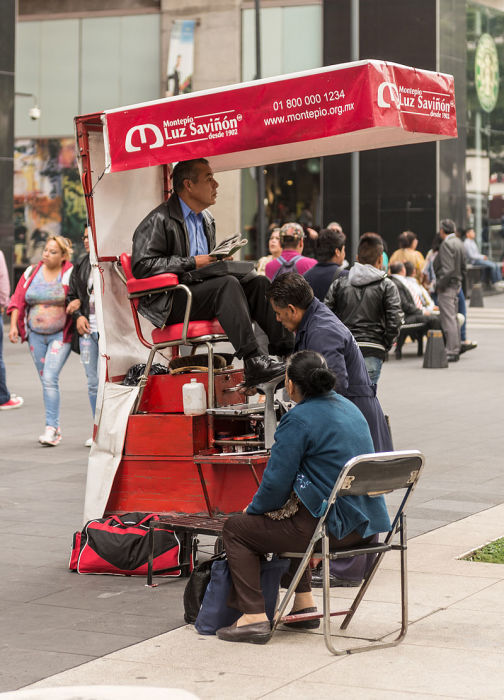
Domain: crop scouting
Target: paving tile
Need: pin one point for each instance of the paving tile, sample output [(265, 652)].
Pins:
[(303, 690), (458, 628), (455, 506), (418, 669), (204, 683), (487, 600), (21, 667), (69, 641)]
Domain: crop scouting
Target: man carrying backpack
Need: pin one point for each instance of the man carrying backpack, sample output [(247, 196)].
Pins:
[(291, 259)]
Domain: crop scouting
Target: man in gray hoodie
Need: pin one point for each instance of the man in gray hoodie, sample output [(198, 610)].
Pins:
[(368, 303)]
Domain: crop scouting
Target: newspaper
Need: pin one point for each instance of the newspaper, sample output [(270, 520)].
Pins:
[(229, 246)]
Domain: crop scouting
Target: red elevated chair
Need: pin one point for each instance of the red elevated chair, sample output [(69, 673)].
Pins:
[(189, 333)]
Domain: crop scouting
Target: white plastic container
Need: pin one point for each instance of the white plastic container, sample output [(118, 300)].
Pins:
[(194, 398)]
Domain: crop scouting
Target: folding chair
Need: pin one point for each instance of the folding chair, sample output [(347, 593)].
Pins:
[(190, 333), (365, 475)]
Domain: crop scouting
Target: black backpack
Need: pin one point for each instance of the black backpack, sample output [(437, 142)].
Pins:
[(286, 265)]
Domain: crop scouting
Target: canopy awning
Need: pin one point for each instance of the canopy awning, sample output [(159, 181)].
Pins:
[(337, 109)]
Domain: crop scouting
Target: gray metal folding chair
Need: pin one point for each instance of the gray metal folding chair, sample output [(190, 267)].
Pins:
[(365, 475)]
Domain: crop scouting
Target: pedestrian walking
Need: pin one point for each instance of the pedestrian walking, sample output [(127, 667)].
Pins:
[(37, 311), (81, 306), (8, 401)]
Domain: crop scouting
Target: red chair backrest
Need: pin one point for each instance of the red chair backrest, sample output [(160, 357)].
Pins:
[(126, 265)]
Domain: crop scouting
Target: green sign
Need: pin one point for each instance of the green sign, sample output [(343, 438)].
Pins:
[(486, 72)]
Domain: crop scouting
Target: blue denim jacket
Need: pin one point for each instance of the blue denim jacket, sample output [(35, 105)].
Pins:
[(313, 442)]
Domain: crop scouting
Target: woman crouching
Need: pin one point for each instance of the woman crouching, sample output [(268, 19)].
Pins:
[(313, 442)]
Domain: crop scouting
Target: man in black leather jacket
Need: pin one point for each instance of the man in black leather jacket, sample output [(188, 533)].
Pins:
[(368, 303), (177, 237)]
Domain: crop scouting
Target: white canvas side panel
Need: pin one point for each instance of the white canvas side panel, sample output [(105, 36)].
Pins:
[(106, 451), (121, 200)]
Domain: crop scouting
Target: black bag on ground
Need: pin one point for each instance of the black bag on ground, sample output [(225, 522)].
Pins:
[(196, 587)]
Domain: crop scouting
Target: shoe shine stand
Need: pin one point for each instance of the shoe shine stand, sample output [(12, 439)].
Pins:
[(270, 421), (228, 467)]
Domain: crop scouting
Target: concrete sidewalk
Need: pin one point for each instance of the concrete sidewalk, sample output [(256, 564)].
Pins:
[(454, 647), (57, 620)]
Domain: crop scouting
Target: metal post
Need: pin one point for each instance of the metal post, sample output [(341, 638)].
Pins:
[(355, 169), (262, 247)]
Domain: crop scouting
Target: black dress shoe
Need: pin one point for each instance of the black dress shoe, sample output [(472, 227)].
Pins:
[(261, 369), (334, 581), (304, 624), (257, 633), (453, 358), (467, 345)]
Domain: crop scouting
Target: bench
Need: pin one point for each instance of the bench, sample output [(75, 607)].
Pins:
[(415, 331), (473, 277)]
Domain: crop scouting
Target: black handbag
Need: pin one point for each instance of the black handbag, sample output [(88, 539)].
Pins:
[(196, 587)]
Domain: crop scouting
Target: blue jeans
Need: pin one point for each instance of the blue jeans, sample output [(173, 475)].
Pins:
[(373, 366), (49, 354), (91, 369), (491, 270), (4, 392)]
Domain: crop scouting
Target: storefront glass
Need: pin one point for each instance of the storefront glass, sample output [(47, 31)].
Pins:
[(291, 40), (485, 132)]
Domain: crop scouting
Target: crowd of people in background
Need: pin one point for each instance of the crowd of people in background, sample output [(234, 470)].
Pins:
[(52, 307)]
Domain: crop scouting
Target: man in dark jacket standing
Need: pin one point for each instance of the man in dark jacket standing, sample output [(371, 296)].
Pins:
[(368, 303), (450, 269), (177, 237)]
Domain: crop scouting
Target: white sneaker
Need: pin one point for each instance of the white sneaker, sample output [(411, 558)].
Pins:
[(51, 437), (88, 442), (13, 402)]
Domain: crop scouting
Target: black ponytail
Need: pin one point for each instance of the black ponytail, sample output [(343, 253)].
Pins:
[(309, 372)]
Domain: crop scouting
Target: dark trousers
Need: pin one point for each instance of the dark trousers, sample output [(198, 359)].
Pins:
[(247, 537), (235, 305)]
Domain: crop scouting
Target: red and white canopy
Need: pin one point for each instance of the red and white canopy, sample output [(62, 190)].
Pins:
[(337, 109)]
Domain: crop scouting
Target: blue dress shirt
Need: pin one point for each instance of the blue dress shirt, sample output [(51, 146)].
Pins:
[(198, 244)]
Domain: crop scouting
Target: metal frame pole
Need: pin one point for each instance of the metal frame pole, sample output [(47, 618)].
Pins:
[(262, 247), (355, 164)]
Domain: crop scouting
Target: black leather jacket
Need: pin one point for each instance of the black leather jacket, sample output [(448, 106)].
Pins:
[(371, 311), (78, 289), (161, 244)]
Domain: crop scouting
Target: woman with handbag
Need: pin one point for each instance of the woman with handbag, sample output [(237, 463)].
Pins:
[(313, 442)]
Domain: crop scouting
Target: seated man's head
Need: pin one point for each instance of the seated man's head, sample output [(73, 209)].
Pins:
[(335, 226), (409, 268), (292, 237), (470, 233), (397, 269), (408, 239), (194, 183), (331, 246), (370, 250), (290, 295)]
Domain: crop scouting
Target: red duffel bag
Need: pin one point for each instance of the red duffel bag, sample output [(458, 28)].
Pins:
[(119, 545)]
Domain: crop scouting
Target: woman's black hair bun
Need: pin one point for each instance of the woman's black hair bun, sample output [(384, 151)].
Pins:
[(322, 380)]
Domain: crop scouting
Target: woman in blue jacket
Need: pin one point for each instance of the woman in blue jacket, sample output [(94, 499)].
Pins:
[(313, 442)]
